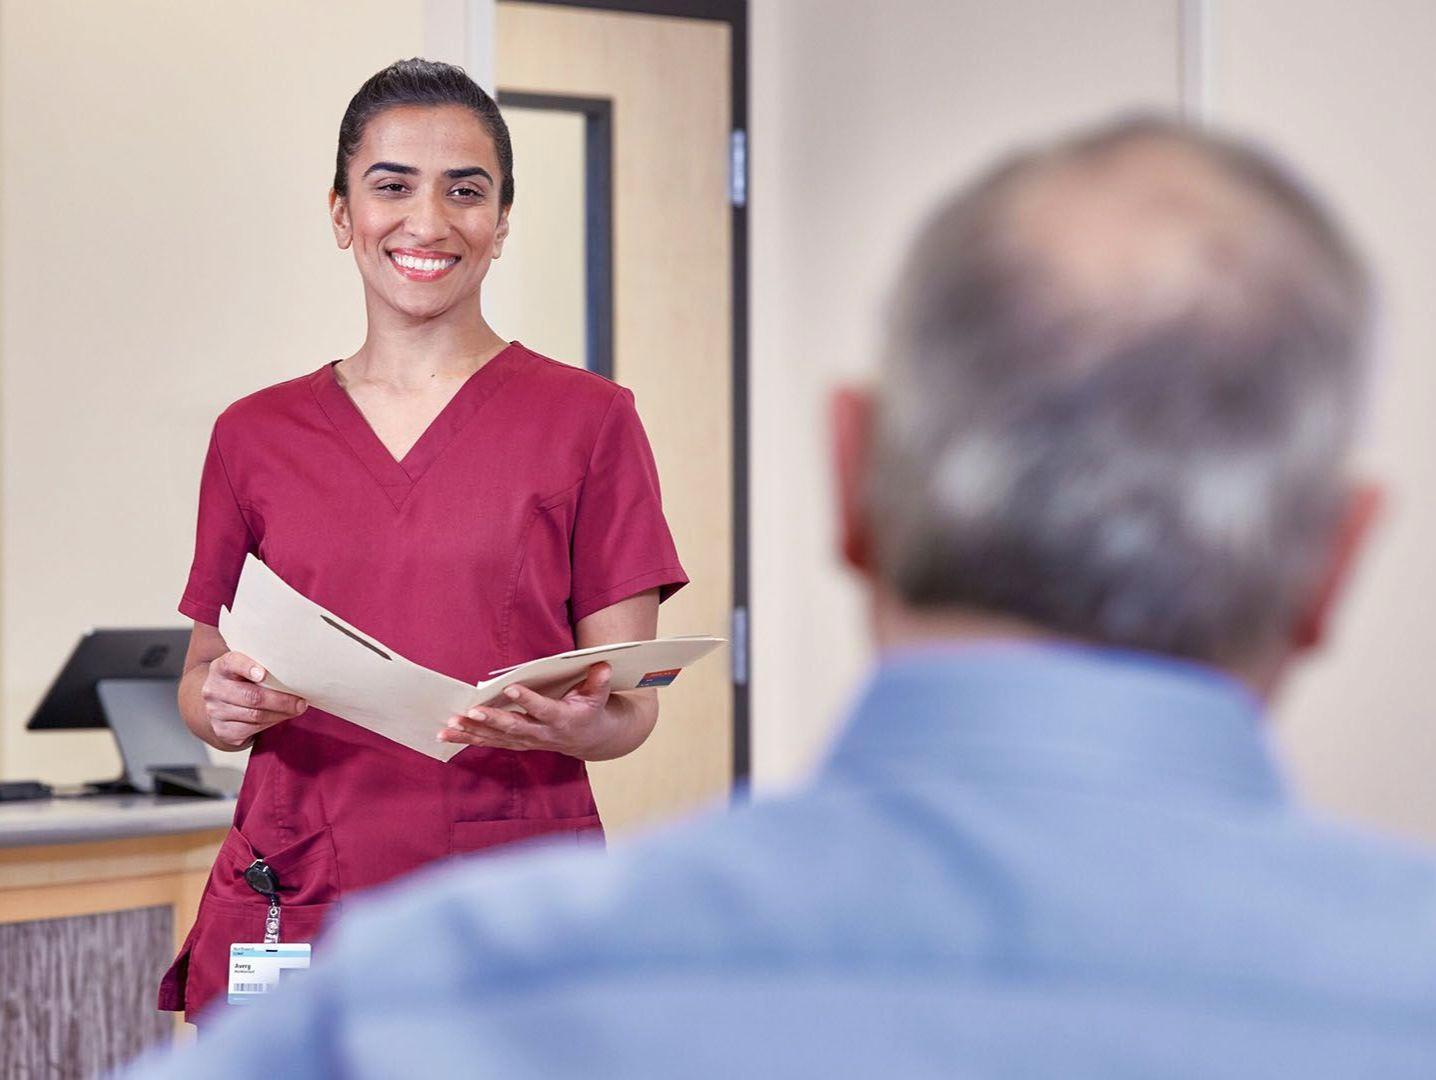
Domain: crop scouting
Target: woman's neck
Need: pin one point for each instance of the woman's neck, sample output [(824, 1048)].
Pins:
[(409, 352)]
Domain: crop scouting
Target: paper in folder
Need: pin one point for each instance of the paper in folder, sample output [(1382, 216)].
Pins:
[(336, 667)]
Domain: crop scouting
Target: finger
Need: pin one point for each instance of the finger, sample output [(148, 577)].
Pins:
[(595, 681), (535, 704), (471, 736), (500, 724), (248, 695), (467, 738), (249, 717), (261, 697), (280, 702), (238, 666), (458, 735)]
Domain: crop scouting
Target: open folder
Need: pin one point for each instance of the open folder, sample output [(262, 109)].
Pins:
[(336, 667)]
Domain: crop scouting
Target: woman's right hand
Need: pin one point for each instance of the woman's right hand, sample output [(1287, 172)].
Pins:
[(236, 707)]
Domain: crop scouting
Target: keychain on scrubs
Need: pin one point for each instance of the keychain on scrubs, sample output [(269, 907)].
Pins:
[(257, 968), (262, 880)]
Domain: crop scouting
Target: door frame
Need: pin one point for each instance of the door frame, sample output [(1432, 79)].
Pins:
[(735, 14), (597, 116)]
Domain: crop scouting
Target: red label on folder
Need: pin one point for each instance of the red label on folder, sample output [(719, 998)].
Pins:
[(659, 678)]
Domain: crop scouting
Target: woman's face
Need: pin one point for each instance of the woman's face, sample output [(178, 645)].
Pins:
[(422, 213)]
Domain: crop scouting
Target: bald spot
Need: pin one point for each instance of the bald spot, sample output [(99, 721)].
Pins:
[(1152, 228)]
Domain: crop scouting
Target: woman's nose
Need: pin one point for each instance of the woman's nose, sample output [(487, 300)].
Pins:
[(427, 221)]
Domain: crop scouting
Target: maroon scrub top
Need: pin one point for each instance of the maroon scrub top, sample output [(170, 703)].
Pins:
[(530, 502)]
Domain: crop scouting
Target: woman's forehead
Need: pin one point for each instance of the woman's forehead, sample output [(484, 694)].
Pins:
[(435, 135)]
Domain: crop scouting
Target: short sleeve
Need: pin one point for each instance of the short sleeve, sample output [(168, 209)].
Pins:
[(621, 542), (222, 539)]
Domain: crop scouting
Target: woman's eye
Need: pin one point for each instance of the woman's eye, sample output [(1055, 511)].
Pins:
[(392, 186), (468, 192)]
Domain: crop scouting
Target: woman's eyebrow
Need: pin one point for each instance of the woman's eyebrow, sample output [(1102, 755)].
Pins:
[(389, 166), (410, 170)]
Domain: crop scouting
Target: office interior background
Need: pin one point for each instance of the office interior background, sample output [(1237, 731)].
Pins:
[(164, 250)]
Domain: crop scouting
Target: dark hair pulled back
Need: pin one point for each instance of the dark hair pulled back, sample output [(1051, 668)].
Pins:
[(426, 83)]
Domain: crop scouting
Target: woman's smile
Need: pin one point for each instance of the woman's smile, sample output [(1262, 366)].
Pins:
[(418, 265)]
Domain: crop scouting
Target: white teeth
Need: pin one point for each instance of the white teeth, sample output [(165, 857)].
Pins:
[(410, 262)]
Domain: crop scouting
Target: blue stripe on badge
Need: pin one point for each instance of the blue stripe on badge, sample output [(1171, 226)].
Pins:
[(268, 950)]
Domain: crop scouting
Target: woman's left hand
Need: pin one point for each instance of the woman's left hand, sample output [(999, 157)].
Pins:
[(576, 724)]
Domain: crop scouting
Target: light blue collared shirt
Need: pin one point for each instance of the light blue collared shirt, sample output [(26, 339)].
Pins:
[(1019, 861)]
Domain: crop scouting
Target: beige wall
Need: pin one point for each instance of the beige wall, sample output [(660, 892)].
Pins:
[(165, 250), (861, 117), (1348, 91), (863, 114)]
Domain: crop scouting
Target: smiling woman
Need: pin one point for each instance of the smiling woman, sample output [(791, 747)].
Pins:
[(416, 211), (450, 492)]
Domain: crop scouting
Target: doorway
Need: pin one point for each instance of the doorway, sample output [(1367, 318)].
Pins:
[(629, 257)]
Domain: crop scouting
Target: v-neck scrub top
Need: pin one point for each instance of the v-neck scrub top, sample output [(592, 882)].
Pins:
[(530, 502)]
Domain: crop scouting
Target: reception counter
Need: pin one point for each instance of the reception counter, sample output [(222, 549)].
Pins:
[(108, 817), (96, 895)]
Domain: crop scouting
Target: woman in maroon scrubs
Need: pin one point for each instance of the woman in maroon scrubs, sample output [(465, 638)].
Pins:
[(457, 496)]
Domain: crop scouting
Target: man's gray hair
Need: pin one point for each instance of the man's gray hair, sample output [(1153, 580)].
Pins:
[(1118, 393)]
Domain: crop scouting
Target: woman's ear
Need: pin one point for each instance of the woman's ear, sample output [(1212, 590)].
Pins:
[(339, 219), (501, 233)]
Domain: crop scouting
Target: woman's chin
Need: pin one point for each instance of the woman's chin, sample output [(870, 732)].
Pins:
[(422, 308)]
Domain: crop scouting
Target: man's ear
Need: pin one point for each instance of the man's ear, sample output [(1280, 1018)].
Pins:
[(1364, 504), (851, 413), (501, 233), (339, 219)]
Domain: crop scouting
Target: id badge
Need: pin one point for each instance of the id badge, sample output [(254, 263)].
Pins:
[(257, 969)]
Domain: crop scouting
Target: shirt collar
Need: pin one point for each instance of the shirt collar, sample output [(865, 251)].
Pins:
[(1126, 723)]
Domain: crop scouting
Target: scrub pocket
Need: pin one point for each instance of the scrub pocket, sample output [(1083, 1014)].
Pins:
[(471, 836), (230, 911)]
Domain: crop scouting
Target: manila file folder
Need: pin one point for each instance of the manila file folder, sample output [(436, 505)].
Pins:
[(336, 667)]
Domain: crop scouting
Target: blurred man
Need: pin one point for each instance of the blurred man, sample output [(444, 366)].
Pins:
[(1100, 498)]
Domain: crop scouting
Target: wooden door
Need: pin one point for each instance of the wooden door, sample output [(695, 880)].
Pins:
[(666, 84)]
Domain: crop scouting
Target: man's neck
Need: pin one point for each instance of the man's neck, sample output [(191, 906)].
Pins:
[(897, 625)]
